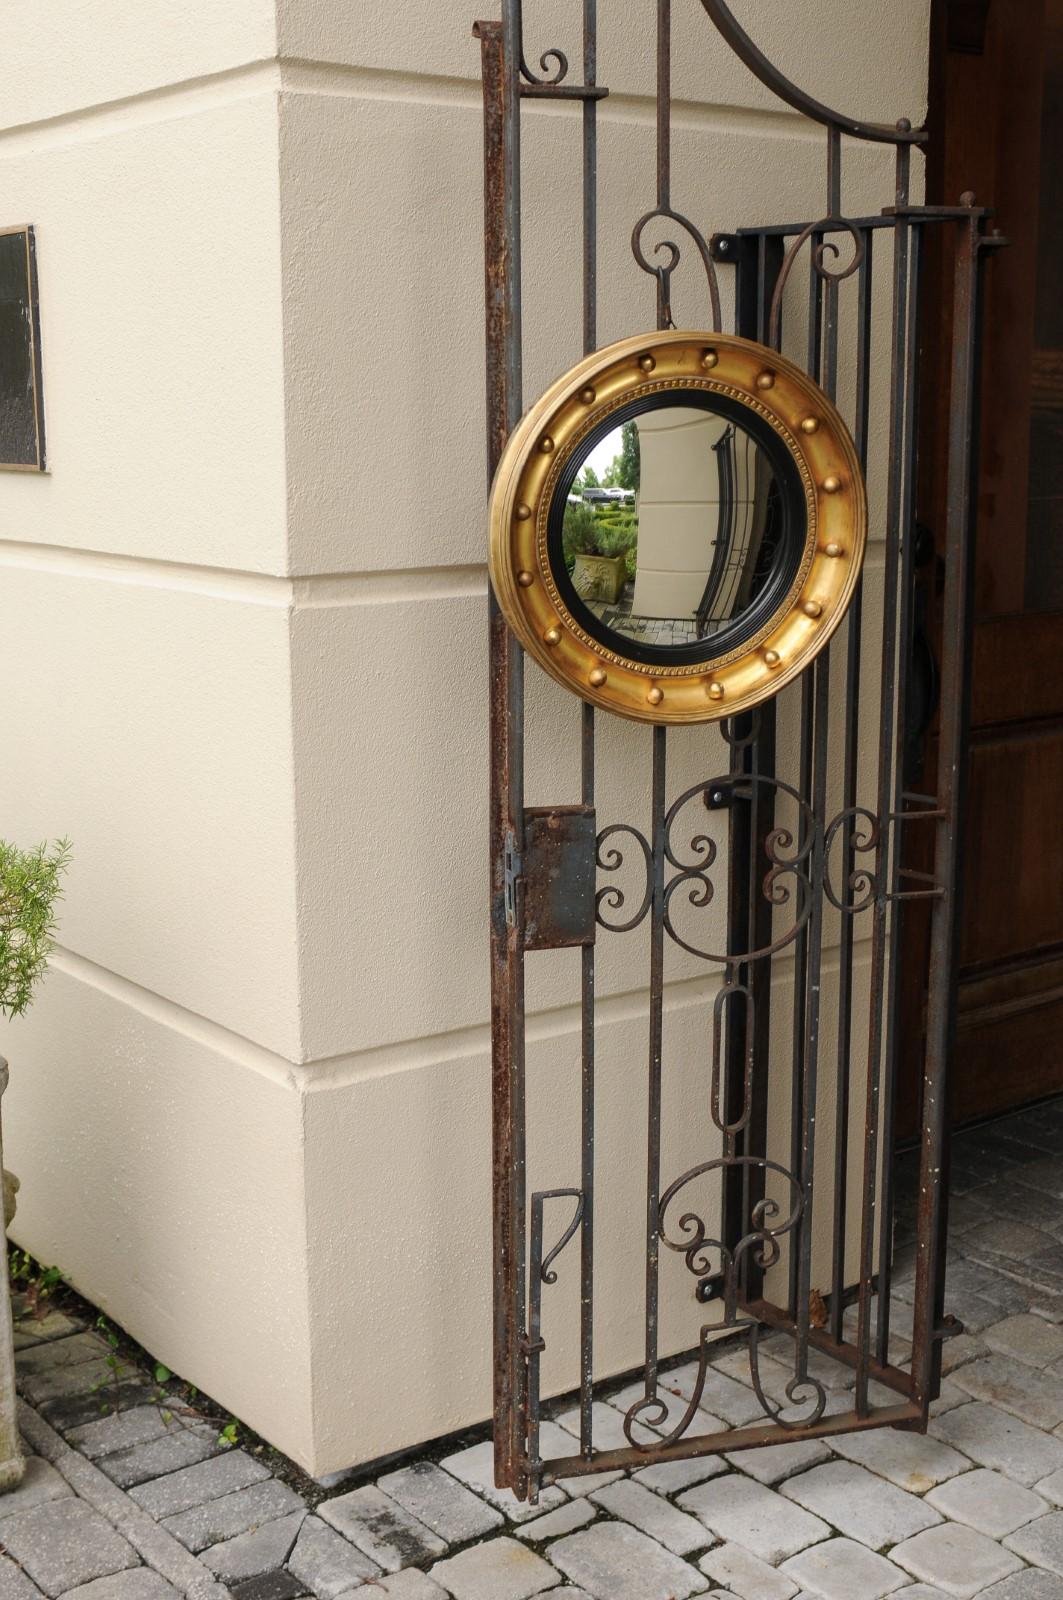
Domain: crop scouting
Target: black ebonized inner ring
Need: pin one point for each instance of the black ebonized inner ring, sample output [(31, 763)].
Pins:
[(791, 538)]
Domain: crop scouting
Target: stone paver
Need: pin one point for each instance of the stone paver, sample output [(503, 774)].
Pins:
[(614, 1562), (108, 1434), (634, 1503), (737, 1570), (191, 1486), (235, 1513), (744, 1511), (435, 1498), (669, 1477), (14, 1584), (251, 1554), (987, 1501), (1026, 1585), (381, 1528), (476, 1468), (1034, 1396), (996, 1439), (326, 1563), (566, 1519), (279, 1585), (499, 1569), (1026, 1338), (63, 1544), (860, 1504), (1041, 1542), (840, 1569), (408, 1585), (912, 1461), (774, 1462), (135, 1584), (959, 1560), (179, 1447), (40, 1482)]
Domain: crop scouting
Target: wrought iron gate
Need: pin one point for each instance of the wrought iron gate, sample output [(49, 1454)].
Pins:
[(790, 856)]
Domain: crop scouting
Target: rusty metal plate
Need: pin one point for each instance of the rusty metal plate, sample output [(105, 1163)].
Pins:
[(559, 876)]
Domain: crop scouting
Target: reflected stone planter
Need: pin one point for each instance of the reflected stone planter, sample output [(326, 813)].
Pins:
[(12, 1465), (599, 577)]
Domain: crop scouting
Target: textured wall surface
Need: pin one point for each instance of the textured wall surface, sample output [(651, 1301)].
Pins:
[(245, 615)]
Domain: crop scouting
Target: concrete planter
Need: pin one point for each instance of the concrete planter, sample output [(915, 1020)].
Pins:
[(12, 1465), (599, 577)]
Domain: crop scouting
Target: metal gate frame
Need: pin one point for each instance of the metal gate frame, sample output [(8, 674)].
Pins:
[(545, 862)]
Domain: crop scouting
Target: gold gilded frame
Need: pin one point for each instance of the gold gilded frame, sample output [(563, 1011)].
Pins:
[(555, 427)]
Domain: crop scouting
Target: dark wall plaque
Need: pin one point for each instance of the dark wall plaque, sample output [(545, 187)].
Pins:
[(21, 395)]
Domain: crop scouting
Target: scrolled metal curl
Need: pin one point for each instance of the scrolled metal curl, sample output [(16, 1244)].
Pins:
[(819, 264), (662, 271), (612, 896), (801, 1381), (547, 56), (861, 881)]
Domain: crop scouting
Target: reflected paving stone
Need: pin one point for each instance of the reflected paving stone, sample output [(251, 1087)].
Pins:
[(231, 1514), (964, 1347), (499, 1569), (910, 1460), (859, 1504), (987, 1501), (840, 1569), (996, 1439), (971, 1278), (959, 1560), (566, 1519), (327, 1564), (669, 1477), (745, 1574), (774, 1462), (634, 1503), (381, 1528), (1041, 1542), (476, 1467), (740, 1509), (435, 1498), (192, 1486), (614, 1562), (251, 1554), (1052, 1488), (1033, 1396), (136, 1584), (1028, 1338), (559, 1439), (63, 1544)]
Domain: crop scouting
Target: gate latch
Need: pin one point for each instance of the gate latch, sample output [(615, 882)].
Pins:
[(512, 867)]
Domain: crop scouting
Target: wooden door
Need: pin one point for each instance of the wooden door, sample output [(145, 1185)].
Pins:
[(997, 113)]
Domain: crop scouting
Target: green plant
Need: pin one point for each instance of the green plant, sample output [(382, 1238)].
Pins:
[(40, 1283), (579, 534), (30, 886)]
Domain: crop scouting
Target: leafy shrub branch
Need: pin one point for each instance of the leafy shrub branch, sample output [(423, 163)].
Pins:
[(30, 888)]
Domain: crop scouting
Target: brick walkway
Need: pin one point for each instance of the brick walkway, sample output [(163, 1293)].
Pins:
[(145, 1505)]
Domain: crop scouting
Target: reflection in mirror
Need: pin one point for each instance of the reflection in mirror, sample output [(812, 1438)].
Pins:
[(673, 526)]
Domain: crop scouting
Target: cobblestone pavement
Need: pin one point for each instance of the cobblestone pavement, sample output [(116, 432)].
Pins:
[(140, 1504)]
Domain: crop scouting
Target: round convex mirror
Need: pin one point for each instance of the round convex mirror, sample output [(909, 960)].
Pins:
[(677, 526)]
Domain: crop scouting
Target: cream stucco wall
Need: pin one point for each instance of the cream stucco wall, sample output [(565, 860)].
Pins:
[(243, 624)]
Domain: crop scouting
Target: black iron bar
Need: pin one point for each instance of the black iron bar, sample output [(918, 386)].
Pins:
[(889, 1086), (952, 757), (854, 641), (886, 753), (656, 1020)]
